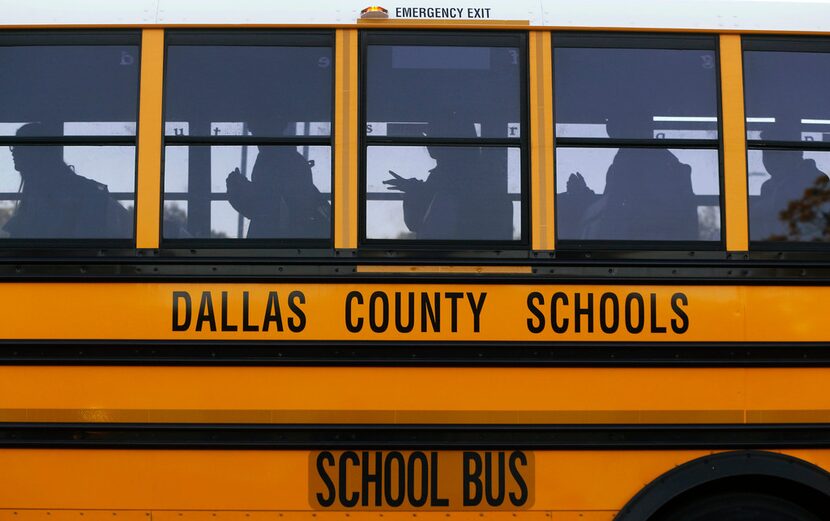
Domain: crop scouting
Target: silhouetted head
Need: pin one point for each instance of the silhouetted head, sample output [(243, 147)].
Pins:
[(37, 162), (629, 121), (779, 163), (453, 126), (267, 124)]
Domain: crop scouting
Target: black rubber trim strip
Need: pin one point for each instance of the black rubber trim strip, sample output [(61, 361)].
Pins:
[(257, 37), (759, 144), (580, 254), (433, 37), (612, 40), (106, 140), (287, 141), (297, 271), (415, 141), (581, 142), (16, 37), (414, 354), (785, 43), (433, 437)]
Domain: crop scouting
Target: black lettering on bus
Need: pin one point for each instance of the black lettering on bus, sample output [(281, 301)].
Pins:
[(375, 479), (397, 457), (299, 324), (226, 326), (206, 312), (434, 500), (272, 312), (352, 326), (490, 469), (682, 325), (345, 499), (587, 311), (417, 501), (246, 313), (654, 327), (603, 313), (431, 309), (188, 310), (410, 322), (521, 499), (472, 479), (322, 459), (629, 313), (532, 299), (379, 327), (453, 296), (476, 307), (558, 296)]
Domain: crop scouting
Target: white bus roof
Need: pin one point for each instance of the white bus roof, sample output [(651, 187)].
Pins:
[(709, 15)]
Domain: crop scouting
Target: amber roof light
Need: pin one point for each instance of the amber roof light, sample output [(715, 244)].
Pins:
[(374, 11)]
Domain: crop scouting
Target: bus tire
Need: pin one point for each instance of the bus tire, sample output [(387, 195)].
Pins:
[(738, 506)]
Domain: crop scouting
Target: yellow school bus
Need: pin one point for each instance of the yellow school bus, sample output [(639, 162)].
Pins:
[(330, 260)]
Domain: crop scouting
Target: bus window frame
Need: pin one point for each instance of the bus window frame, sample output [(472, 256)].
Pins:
[(795, 250), (81, 247), (271, 247), (658, 41), (460, 248)]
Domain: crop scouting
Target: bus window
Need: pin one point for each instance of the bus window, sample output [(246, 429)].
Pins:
[(68, 126), (788, 135), (444, 136), (636, 123), (248, 136)]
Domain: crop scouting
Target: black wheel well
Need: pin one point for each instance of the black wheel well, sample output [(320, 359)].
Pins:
[(783, 488), (760, 472)]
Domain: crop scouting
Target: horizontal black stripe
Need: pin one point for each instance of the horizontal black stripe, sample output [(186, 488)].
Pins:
[(589, 257), (435, 437), (106, 140), (230, 140), (576, 142), (187, 265), (415, 354)]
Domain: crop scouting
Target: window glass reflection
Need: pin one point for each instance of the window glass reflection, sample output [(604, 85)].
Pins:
[(635, 93), (644, 194), (409, 88), (789, 195), (210, 90), (255, 192), (785, 95), (443, 193), (67, 192)]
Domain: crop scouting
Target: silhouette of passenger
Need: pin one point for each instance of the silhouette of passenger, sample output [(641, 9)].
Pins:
[(571, 206), (280, 199), (648, 192), (57, 203), (464, 196), (791, 177)]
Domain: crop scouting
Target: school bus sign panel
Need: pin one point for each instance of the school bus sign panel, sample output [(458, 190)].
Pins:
[(421, 480), (422, 312)]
